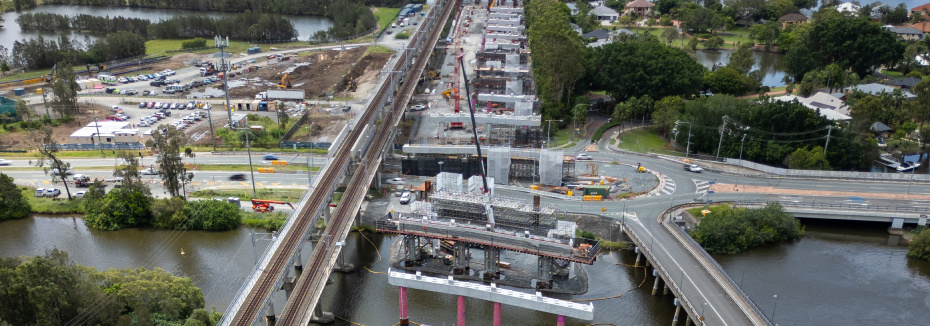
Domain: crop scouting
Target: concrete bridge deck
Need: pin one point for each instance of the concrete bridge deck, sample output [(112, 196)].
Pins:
[(577, 250)]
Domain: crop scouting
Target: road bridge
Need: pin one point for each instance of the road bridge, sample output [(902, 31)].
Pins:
[(849, 211)]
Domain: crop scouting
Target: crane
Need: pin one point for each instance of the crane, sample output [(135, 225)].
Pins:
[(484, 170), (264, 205), (285, 82)]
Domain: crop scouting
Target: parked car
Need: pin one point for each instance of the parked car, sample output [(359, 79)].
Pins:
[(693, 168), (80, 194), (40, 192), (418, 107), (405, 198), (123, 80), (142, 105), (52, 192)]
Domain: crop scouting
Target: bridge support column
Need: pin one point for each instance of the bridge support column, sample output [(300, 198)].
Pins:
[(687, 320), (327, 215), (270, 318), (665, 290), (497, 314), (404, 320), (298, 262), (639, 256), (411, 254), (321, 317), (675, 316), (655, 287), (289, 283), (492, 259), (544, 272), (341, 264), (461, 311), (461, 258), (560, 321)]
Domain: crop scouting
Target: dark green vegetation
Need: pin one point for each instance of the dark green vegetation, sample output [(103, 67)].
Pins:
[(553, 42), (117, 209), (13, 203), (919, 246), (40, 52), (642, 66), (271, 221), (728, 230), (53, 290), (123, 208), (775, 131)]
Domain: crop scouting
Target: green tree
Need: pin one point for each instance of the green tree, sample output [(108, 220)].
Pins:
[(12, 203), (64, 88), (47, 155), (4, 68), (23, 111), (726, 80), (155, 291), (693, 43), (766, 33), (640, 67), (169, 213), (168, 142), (851, 43), (666, 111), (212, 215), (730, 230), (552, 39), (579, 114), (129, 171), (117, 209), (670, 34), (803, 159), (919, 247), (713, 43), (742, 59)]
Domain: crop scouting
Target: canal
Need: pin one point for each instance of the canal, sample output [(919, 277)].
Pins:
[(820, 279), (306, 25)]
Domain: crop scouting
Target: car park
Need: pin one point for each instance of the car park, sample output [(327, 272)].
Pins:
[(143, 105), (173, 106), (693, 168), (191, 105), (123, 80)]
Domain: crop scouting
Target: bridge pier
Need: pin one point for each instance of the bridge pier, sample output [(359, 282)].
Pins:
[(411, 254), (639, 256), (321, 317), (341, 264), (404, 320), (655, 287), (492, 259), (675, 316), (560, 321), (270, 318), (497, 314), (687, 320), (544, 272), (327, 215), (461, 311), (665, 286), (460, 265)]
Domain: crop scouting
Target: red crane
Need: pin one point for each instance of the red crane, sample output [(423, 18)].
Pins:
[(264, 206)]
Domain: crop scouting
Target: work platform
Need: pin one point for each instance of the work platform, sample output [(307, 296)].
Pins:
[(492, 293), (485, 118), (576, 250)]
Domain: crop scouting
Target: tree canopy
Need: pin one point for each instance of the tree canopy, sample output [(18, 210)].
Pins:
[(731, 230), (852, 43), (638, 67), (12, 203)]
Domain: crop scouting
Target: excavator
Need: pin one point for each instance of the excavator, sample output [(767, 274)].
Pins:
[(285, 82), (264, 206)]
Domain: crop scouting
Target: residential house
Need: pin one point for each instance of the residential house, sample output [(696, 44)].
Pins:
[(848, 8), (904, 83), (881, 129), (827, 105), (791, 19), (906, 33), (639, 7), (601, 34), (922, 26), (573, 8), (922, 9), (576, 28), (878, 89), (604, 36), (605, 14)]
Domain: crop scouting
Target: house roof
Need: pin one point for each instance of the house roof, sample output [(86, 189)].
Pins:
[(925, 7), (908, 30), (829, 106), (603, 11), (572, 6), (875, 89), (880, 127), (601, 34), (105, 128), (640, 4), (793, 17), (908, 82), (922, 26)]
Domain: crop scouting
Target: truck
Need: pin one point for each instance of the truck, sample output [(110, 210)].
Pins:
[(291, 94), (107, 78), (81, 180)]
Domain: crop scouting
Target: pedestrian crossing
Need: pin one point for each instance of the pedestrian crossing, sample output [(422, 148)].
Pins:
[(702, 186), (669, 186)]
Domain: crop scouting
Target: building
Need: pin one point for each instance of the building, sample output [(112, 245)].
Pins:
[(829, 106), (106, 132), (8, 107), (922, 9), (922, 26), (639, 7), (906, 33), (573, 8), (791, 19), (877, 89), (604, 36), (881, 129), (605, 14), (905, 83)]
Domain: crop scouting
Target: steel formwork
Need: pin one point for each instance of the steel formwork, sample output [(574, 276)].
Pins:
[(509, 212), (499, 164), (550, 167)]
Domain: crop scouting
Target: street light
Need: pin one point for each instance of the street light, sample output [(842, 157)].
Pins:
[(773, 308), (688, 145), (310, 154), (702, 312), (740, 156), (548, 132), (440, 166), (918, 160)]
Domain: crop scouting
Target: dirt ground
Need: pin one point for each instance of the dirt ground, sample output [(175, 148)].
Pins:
[(175, 62), (363, 76), (24, 139), (325, 69), (325, 128)]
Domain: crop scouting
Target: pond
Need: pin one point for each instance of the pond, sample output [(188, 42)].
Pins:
[(771, 64)]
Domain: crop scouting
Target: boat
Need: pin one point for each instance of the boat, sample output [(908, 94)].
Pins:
[(888, 160), (907, 166)]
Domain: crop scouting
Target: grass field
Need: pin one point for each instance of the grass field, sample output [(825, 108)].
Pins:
[(644, 140), (696, 212), (285, 195), (45, 205), (271, 221), (386, 16), (25, 75), (730, 37), (378, 49)]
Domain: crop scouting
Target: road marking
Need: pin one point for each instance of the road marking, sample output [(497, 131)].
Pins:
[(274, 183), (259, 184), (701, 185), (195, 183), (46, 181), (244, 184), (669, 186)]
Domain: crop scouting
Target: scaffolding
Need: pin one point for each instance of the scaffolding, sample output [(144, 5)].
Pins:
[(508, 212), (449, 181), (499, 164), (523, 109), (476, 185), (550, 167)]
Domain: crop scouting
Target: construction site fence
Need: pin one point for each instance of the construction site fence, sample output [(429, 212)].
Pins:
[(97, 147)]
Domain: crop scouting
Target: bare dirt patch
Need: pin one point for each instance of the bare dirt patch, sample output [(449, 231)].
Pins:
[(323, 71), (26, 139), (325, 129), (176, 61), (364, 72)]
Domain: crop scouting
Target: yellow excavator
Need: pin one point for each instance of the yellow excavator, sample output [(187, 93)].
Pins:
[(285, 82), (449, 92), (431, 75)]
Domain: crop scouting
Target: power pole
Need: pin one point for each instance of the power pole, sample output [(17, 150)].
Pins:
[(829, 129), (720, 142)]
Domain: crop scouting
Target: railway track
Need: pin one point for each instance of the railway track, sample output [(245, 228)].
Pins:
[(306, 292), (325, 252)]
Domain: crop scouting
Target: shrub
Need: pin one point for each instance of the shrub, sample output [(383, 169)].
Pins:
[(212, 215), (600, 131), (169, 213), (194, 43), (13, 204), (920, 245), (730, 230), (117, 209), (585, 234), (402, 35)]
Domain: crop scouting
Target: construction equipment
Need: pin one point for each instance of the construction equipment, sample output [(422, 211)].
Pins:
[(431, 75), (448, 93), (285, 82), (264, 206), (81, 180)]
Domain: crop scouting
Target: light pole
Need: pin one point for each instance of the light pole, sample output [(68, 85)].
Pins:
[(440, 166), (918, 161), (720, 142), (740, 157), (548, 132), (310, 154), (773, 308), (702, 312), (221, 44), (688, 145)]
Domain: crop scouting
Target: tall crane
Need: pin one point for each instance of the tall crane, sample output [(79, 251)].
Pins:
[(264, 206), (484, 170)]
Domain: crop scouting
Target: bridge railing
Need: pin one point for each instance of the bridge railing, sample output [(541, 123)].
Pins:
[(696, 248), (836, 206)]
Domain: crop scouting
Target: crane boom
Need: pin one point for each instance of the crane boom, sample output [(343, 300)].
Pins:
[(484, 171)]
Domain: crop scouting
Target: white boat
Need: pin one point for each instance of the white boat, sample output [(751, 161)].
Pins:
[(907, 166), (888, 160)]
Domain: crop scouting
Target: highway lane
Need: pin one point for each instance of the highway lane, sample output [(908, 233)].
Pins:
[(199, 158)]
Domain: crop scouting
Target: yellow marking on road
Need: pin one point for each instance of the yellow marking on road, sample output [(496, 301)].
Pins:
[(196, 183), (274, 183), (46, 181), (258, 184), (244, 184)]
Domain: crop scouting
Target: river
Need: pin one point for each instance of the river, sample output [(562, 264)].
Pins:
[(306, 25), (771, 64), (820, 279)]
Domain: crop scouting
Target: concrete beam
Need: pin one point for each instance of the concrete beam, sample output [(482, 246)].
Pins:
[(492, 293)]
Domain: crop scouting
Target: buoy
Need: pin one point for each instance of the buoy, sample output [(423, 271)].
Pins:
[(182, 251)]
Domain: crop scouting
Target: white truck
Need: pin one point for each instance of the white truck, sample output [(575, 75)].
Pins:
[(292, 94)]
